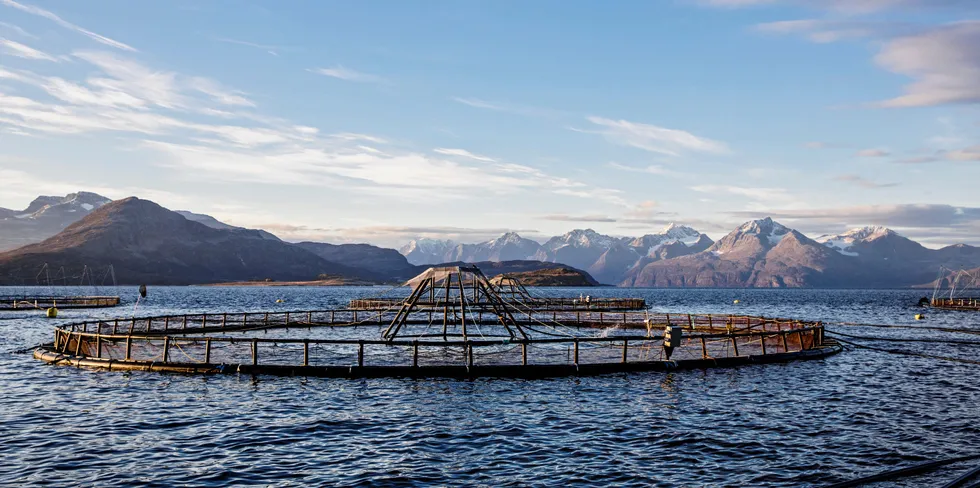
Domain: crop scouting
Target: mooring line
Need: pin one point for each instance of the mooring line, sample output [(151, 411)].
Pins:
[(909, 471), (915, 327), (896, 339), (907, 353)]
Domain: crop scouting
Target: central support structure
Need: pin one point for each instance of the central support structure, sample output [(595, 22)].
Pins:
[(458, 291)]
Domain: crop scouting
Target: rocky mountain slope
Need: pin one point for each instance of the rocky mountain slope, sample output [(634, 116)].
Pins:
[(387, 264), (147, 243), (217, 224), (45, 217)]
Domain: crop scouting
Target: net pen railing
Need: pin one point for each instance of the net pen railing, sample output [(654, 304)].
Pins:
[(757, 338), (203, 323), (42, 302)]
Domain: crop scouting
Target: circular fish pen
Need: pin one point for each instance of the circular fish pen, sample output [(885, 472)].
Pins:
[(956, 290), (35, 302), (453, 324)]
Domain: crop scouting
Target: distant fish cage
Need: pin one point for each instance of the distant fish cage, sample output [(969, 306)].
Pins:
[(956, 303), (454, 323), (62, 302)]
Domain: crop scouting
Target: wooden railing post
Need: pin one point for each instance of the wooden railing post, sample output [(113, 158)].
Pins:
[(360, 353), (207, 351), (255, 352), (576, 351), (625, 349), (166, 348), (306, 352)]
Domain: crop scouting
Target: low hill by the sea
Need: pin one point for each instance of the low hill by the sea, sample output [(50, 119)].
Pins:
[(560, 276)]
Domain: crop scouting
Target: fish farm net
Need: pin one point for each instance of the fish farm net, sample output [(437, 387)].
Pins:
[(453, 323)]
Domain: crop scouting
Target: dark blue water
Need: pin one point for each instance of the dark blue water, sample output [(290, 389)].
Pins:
[(796, 424)]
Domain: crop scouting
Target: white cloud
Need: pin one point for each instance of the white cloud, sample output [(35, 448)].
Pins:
[(347, 74), (968, 154), (822, 31), (862, 182), (754, 193), (654, 169), (11, 28), (872, 153), (68, 25), (14, 48), (852, 7), (273, 50), (656, 139), (523, 110), (944, 62), (462, 153)]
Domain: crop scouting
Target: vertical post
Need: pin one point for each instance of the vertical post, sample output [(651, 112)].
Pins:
[(415, 354), (763, 342), (98, 346), (690, 322), (245, 319), (255, 352), (166, 348), (185, 322), (524, 354), (735, 345), (224, 320), (204, 321), (306, 352), (360, 353), (78, 344), (129, 348), (704, 348), (469, 354), (625, 349), (115, 327), (166, 323), (576, 351), (207, 351)]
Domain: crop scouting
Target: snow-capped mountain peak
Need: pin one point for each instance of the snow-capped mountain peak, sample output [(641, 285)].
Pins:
[(582, 238), (844, 243), (79, 202)]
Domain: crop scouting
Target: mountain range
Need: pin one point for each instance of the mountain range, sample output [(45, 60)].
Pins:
[(147, 243), (608, 259)]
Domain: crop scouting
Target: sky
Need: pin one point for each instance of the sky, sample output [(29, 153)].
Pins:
[(382, 121)]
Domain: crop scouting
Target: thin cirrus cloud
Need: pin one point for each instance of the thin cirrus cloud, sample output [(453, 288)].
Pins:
[(652, 138), (653, 169), (198, 127), (511, 108), (579, 218), (273, 50), (862, 182), (31, 9), (14, 48), (852, 7), (463, 153), (347, 74)]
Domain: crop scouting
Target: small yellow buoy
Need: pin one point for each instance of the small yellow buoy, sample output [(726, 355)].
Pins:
[(735, 302), (280, 300), (51, 313), (919, 316)]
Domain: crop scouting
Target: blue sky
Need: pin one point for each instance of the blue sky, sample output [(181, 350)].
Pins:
[(382, 121)]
